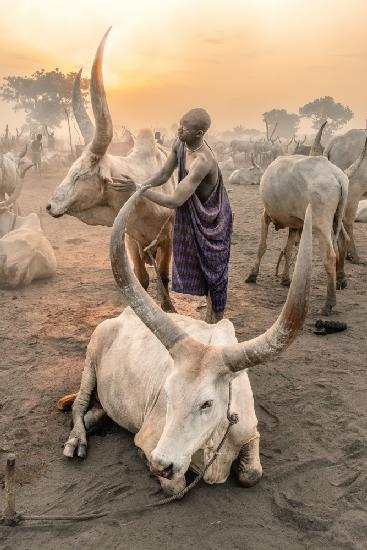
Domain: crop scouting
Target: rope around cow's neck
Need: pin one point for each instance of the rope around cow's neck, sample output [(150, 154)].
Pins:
[(232, 419)]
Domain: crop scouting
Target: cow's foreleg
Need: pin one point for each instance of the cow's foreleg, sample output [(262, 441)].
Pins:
[(137, 258), (329, 259), (78, 438), (265, 221), (249, 465), (164, 254)]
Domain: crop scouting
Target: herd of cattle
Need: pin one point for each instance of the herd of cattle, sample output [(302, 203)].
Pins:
[(201, 368)]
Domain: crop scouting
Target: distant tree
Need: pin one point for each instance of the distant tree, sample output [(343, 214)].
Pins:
[(43, 96), (286, 124), (325, 108), (241, 131), (238, 131)]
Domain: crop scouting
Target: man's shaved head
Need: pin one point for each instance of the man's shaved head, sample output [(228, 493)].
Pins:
[(197, 119)]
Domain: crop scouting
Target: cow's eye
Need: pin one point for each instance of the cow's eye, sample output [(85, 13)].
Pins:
[(206, 405)]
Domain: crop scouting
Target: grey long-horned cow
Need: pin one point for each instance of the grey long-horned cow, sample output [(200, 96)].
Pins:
[(165, 377), (343, 151), (287, 186), (87, 194)]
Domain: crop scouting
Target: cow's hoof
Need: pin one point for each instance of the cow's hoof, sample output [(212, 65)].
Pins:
[(168, 307), (285, 282), (326, 310), (341, 283), (355, 259), (251, 278), (248, 477)]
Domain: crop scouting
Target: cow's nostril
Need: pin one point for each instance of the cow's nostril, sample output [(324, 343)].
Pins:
[(48, 207), (168, 471)]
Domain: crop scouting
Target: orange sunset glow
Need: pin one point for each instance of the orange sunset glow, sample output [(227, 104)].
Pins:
[(237, 58)]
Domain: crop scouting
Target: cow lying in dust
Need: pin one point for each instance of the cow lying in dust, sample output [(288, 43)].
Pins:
[(25, 253), (247, 176), (87, 190), (291, 183), (167, 377), (361, 215)]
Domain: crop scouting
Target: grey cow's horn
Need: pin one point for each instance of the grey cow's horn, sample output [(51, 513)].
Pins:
[(164, 328), (317, 149), (290, 321), (104, 130), (353, 168), (80, 113)]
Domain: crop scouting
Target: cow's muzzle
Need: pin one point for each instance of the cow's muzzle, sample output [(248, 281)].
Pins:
[(53, 214), (161, 468)]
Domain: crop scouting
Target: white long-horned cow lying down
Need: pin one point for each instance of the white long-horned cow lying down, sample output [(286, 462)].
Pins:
[(247, 176), (361, 215), (343, 151), (87, 194), (166, 377), (288, 185), (25, 253)]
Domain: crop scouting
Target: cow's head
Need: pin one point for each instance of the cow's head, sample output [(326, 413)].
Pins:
[(85, 184), (22, 162), (197, 388)]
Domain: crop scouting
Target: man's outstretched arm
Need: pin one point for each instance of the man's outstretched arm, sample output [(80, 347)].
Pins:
[(199, 169)]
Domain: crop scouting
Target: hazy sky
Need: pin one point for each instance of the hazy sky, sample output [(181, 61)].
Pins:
[(237, 58)]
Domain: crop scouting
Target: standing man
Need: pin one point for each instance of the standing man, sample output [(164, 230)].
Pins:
[(36, 148), (203, 220)]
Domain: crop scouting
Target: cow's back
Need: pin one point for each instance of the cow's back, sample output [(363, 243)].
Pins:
[(290, 183)]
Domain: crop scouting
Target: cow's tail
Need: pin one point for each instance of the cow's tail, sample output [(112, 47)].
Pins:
[(338, 227), (66, 402)]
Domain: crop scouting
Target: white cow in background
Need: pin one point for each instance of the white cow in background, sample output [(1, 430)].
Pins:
[(343, 151), (361, 215), (25, 253), (11, 165)]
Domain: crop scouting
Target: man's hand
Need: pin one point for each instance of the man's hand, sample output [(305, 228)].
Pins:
[(124, 183)]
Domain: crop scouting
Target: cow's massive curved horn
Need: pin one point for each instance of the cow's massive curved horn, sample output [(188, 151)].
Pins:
[(104, 130), (290, 321), (17, 189), (165, 329), (317, 149), (353, 168), (80, 113)]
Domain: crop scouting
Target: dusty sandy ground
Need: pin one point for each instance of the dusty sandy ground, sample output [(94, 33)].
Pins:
[(311, 404)]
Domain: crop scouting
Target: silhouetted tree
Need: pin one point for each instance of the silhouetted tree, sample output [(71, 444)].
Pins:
[(43, 96), (325, 108), (286, 124)]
